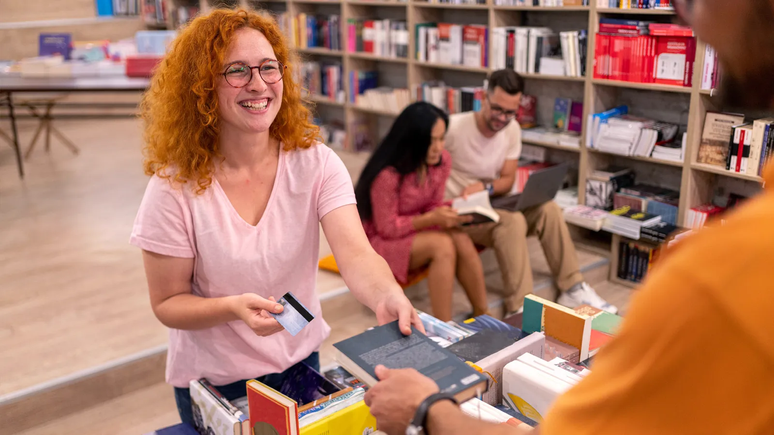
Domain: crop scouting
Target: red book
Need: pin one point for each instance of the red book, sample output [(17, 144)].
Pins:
[(270, 409), (740, 150), (368, 36), (615, 29), (474, 45), (674, 60), (599, 56)]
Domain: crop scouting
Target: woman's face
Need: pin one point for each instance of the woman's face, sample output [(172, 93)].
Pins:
[(251, 108), (437, 136)]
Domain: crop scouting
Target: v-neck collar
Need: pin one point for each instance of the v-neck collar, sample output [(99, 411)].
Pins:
[(277, 180)]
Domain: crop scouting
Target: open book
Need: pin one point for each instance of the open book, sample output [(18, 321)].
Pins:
[(478, 206)]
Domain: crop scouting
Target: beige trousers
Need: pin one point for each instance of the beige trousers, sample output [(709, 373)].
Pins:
[(508, 238)]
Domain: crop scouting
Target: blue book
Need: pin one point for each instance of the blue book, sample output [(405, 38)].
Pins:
[(104, 8), (178, 429), (52, 44)]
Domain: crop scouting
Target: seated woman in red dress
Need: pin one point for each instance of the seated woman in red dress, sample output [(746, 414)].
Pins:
[(400, 200)]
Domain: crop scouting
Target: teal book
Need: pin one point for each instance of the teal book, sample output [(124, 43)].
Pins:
[(533, 316), (387, 346)]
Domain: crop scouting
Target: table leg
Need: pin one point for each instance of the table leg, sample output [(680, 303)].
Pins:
[(15, 133)]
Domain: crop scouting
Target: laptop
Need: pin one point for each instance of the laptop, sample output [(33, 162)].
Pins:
[(541, 187)]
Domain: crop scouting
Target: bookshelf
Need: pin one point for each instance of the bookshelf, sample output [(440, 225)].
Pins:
[(682, 105)]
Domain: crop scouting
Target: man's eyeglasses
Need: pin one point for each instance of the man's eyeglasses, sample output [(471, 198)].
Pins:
[(500, 112), (239, 74)]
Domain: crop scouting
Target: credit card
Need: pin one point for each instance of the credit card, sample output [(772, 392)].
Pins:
[(294, 316)]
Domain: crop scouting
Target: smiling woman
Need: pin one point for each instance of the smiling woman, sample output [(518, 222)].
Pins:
[(230, 219)]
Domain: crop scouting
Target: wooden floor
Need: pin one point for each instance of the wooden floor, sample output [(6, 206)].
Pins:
[(72, 290)]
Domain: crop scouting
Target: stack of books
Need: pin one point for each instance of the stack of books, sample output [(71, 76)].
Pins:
[(602, 185), (635, 259), (626, 222), (644, 52), (585, 216), (323, 80), (636, 4), (361, 81), (635, 136), (698, 216), (386, 38), (651, 199), (567, 198)]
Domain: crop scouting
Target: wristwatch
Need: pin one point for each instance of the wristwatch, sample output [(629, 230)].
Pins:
[(489, 188), (417, 426)]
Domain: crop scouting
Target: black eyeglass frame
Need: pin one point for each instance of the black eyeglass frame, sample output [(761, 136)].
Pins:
[(282, 69), (500, 112)]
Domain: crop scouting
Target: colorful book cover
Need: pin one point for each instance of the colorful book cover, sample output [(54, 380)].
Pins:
[(576, 117), (52, 44), (482, 322), (562, 113), (271, 412)]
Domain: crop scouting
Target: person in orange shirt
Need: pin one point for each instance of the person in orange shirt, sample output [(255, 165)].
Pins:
[(695, 354)]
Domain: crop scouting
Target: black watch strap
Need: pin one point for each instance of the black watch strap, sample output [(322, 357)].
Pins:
[(420, 417)]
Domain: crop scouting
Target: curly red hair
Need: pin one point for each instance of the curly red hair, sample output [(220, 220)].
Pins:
[(180, 109)]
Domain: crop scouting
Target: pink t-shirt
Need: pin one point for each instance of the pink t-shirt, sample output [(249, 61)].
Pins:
[(232, 257)]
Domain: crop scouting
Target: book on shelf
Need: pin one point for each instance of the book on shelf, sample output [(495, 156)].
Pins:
[(596, 120), (644, 52), (651, 199), (602, 185), (710, 73), (539, 50), (387, 346), (384, 99), (360, 81), (698, 216), (449, 99), (585, 216), (458, 2), (542, 3), (527, 116), (478, 206), (332, 133), (636, 4), (551, 136), (635, 259), (750, 146), (323, 80), (385, 38), (663, 232), (317, 31), (567, 197), (626, 222)]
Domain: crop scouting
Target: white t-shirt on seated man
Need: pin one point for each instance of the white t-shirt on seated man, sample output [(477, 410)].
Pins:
[(485, 147)]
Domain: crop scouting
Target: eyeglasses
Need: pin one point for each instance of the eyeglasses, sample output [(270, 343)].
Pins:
[(684, 10), (500, 112), (239, 74)]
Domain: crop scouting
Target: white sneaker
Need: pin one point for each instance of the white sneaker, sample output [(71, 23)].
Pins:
[(585, 295)]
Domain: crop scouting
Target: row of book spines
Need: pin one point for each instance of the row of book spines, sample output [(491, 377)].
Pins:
[(635, 4), (452, 100), (634, 260), (750, 146), (325, 80), (380, 37), (316, 31), (553, 3), (361, 81), (697, 217), (458, 44), (635, 58)]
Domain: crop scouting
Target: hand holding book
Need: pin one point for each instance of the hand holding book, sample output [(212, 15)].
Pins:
[(447, 218)]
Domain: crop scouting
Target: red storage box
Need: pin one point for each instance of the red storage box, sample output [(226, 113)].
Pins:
[(141, 66)]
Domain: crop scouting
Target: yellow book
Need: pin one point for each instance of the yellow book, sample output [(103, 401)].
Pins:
[(353, 420)]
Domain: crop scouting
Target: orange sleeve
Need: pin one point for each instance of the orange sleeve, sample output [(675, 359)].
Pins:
[(679, 365)]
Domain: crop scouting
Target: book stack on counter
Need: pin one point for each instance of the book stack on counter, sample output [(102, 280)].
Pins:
[(710, 73), (386, 38), (320, 31), (644, 52), (629, 135), (539, 50), (636, 4), (384, 98), (737, 146), (626, 222), (651, 199), (557, 3), (585, 216), (452, 44), (306, 403), (323, 80), (449, 99)]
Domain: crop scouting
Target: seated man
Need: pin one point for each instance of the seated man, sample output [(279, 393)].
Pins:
[(485, 148)]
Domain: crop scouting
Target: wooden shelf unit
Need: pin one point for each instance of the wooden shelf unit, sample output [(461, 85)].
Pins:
[(694, 179)]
